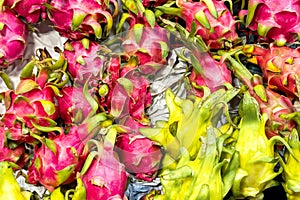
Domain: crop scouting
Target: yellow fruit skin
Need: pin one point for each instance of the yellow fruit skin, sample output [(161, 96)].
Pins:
[(9, 187), (257, 156), (291, 167)]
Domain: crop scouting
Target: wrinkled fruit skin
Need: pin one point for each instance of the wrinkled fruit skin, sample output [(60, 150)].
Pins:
[(106, 178), (76, 19), (139, 154), (12, 38), (32, 10), (72, 105), (83, 61), (276, 20), (54, 169)]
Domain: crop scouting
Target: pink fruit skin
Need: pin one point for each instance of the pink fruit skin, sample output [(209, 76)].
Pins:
[(220, 28), (70, 103), (12, 38), (139, 154), (96, 13), (153, 3), (150, 44), (133, 102), (106, 177), (7, 154), (92, 61), (32, 10), (280, 68), (26, 109), (275, 106), (214, 74), (275, 19), (69, 151)]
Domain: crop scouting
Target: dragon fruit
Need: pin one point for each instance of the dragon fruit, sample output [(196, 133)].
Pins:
[(105, 177), (83, 59), (257, 159), (131, 96), (145, 39), (278, 108), (12, 38), (108, 82), (276, 20), (82, 18), (59, 158), (14, 155), (32, 11), (28, 105), (207, 72), (150, 48), (214, 21), (73, 107), (153, 3), (140, 155), (32, 103), (9, 187), (279, 67)]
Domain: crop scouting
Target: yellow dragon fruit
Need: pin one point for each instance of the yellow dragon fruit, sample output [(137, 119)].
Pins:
[(257, 156), (290, 166), (200, 178), (9, 187)]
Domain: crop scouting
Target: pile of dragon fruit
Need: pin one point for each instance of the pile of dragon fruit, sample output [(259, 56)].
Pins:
[(150, 100)]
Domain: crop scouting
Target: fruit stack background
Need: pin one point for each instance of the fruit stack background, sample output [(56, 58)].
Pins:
[(149, 100)]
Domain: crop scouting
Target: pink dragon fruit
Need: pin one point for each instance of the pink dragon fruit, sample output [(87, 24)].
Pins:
[(278, 107), (279, 67), (12, 38), (15, 155), (73, 107), (145, 39), (153, 3), (33, 101), (140, 155), (207, 72), (28, 105), (109, 81), (214, 21), (105, 177), (152, 46), (59, 158), (276, 20), (131, 96), (83, 59), (82, 18), (31, 10)]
